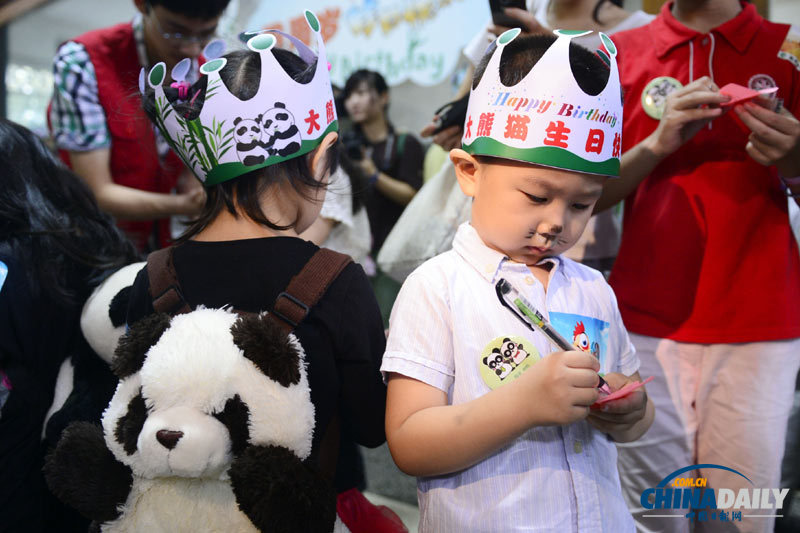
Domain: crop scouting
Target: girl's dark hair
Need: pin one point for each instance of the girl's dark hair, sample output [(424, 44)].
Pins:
[(49, 218), (521, 54), (373, 79), (241, 75), (597, 6)]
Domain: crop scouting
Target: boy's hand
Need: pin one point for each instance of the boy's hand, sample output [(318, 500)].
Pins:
[(618, 416), (562, 386), (686, 112), (775, 137)]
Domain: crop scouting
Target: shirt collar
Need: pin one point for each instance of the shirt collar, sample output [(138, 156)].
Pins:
[(487, 261), (668, 33)]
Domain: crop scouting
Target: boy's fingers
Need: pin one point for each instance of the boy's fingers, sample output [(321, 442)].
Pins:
[(585, 397), (576, 359)]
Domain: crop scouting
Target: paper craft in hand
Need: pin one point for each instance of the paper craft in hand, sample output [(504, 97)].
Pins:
[(740, 95), (623, 392)]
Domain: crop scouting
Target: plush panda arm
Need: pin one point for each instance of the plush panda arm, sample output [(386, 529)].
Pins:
[(84, 474), (279, 493)]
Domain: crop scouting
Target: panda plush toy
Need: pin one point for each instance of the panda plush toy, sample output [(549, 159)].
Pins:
[(208, 430)]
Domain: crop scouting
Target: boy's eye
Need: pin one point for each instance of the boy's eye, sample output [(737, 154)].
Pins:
[(536, 199), (580, 207)]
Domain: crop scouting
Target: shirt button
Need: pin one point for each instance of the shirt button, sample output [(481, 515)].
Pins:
[(529, 280), (577, 446)]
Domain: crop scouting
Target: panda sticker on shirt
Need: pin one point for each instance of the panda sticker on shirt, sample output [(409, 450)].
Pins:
[(505, 358)]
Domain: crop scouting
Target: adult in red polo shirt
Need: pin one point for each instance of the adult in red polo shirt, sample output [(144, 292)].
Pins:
[(100, 129), (708, 273)]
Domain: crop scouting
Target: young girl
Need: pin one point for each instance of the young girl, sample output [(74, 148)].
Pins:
[(243, 249), (55, 247)]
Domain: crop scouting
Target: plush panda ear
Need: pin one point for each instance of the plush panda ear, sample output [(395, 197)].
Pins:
[(268, 347), (133, 346), (118, 308)]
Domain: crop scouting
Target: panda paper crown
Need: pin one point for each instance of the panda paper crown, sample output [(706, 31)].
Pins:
[(230, 137), (546, 118)]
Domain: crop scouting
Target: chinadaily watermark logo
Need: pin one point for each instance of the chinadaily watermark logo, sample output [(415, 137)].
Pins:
[(692, 498)]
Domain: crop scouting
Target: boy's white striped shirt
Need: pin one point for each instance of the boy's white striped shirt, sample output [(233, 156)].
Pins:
[(550, 479)]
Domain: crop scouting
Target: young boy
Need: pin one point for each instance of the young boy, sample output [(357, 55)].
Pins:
[(494, 422)]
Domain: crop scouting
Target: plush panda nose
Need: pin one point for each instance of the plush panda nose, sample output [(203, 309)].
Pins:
[(169, 439)]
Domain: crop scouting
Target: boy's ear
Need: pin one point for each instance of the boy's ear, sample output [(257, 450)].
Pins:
[(467, 170), (320, 153)]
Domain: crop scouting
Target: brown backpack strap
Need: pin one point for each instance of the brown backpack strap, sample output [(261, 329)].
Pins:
[(165, 289), (307, 287)]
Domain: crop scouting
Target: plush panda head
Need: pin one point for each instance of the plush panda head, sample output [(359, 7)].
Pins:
[(246, 130), (278, 120), (197, 389), (103, 315)]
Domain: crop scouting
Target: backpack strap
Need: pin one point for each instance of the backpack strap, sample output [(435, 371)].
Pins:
[(165, 289), (307, 287)]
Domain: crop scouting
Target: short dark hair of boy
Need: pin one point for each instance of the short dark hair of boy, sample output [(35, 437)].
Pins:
[(374, 80), (241, 75), (521, 54), (197, 9)]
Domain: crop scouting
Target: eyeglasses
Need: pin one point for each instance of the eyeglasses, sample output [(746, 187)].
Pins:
[(181, 38)]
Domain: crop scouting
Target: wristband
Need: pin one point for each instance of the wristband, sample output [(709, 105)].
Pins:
[(373, 178)]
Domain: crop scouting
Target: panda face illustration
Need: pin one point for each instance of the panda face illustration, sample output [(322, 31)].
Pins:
[(249, 145), (512, 352), (281, 136), (498, 365), (187, 404)]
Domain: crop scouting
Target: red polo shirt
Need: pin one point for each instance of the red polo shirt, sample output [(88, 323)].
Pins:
[(707, 253)]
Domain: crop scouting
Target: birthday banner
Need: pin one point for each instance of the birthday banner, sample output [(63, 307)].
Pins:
[(404, 40)]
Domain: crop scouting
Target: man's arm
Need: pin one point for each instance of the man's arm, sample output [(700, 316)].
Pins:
[(774, 139), (122, 202), (686, 112)]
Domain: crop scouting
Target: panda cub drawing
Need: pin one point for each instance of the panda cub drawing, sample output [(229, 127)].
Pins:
[(281, 133), (505, 359), (249, 146)]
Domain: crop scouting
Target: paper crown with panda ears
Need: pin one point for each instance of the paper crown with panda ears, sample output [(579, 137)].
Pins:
[(230, 137), (546, 118)]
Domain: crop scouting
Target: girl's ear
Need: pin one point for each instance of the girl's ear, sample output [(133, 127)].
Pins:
[(320, 154), (467, 170)]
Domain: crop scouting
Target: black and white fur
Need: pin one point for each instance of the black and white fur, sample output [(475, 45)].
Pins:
[(281, 136), (248, 135), (208, 431)]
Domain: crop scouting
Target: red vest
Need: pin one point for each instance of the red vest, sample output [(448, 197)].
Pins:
[(134, 157)]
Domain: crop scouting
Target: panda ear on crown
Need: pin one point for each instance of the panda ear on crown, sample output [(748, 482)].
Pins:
[(134, 345), (268, 347)]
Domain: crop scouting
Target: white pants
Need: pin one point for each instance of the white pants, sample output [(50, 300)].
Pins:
[(725, 404)]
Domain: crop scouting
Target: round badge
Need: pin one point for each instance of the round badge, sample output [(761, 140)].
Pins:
[(654, 95), (761, 81), (505, 358)]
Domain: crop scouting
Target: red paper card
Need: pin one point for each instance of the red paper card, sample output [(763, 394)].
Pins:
[(621, 393), (740, 95)]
